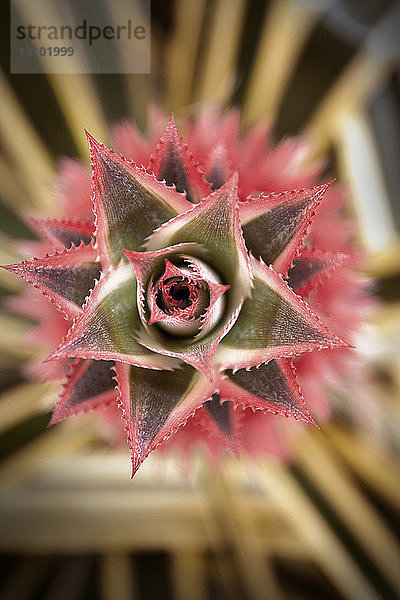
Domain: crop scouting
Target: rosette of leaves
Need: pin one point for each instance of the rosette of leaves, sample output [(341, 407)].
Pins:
[(181, 296)]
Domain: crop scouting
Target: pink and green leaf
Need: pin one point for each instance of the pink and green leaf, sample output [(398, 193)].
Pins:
[(274, 225), (271, 387), (129, 203), (65, 277), (214, 224), (218, 167), (149, 265), (222, 422), (90, 384), (312, 268), (154, 404), (273, 323), (198, 353), (65, 233), (173, 163), (106, 328)]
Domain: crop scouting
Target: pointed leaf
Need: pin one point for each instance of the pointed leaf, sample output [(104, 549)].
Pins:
[(66, 232), (222, 421), (91, 384), (218, 167), (107, 325), (129, 203), (274, 323), (173, 163), (154, 404), (271, 387), (274, 225), (65, 278), (312, 268)]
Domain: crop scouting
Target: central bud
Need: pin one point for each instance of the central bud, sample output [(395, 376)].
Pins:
[(186, 300), (180, 294), (176, 293)]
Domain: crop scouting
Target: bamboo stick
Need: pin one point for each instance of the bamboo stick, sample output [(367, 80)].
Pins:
[(181, 53), (379, 472), (323, 545), (8, 280), (75, 93), (24, 147), (117, 582), (216, 73), (13, 194), (360, 166), (323, 467), (13, 329), (140, 88), (366, 72), (385, 263), (77, 99), (24, 401), (238, 531), (189, 576), (286, 28)]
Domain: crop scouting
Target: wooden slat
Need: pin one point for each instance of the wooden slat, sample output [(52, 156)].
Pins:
[(68, 579), (216, 73), (117, 581), (24, 401), (75, 93), (285, 31), (91, 521), (24, 580), (181, 53), (24, 147), (189, 576), (323, 545), (360, 165), (62, 440), (366, 72), (340, 491)]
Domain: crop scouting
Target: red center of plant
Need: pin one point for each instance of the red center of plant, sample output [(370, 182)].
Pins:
[(181, 294)]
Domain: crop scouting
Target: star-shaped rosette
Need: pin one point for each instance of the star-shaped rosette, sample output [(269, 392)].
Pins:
[(181, 299)]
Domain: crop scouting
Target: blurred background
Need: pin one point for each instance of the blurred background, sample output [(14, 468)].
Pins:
[(325, 526)]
